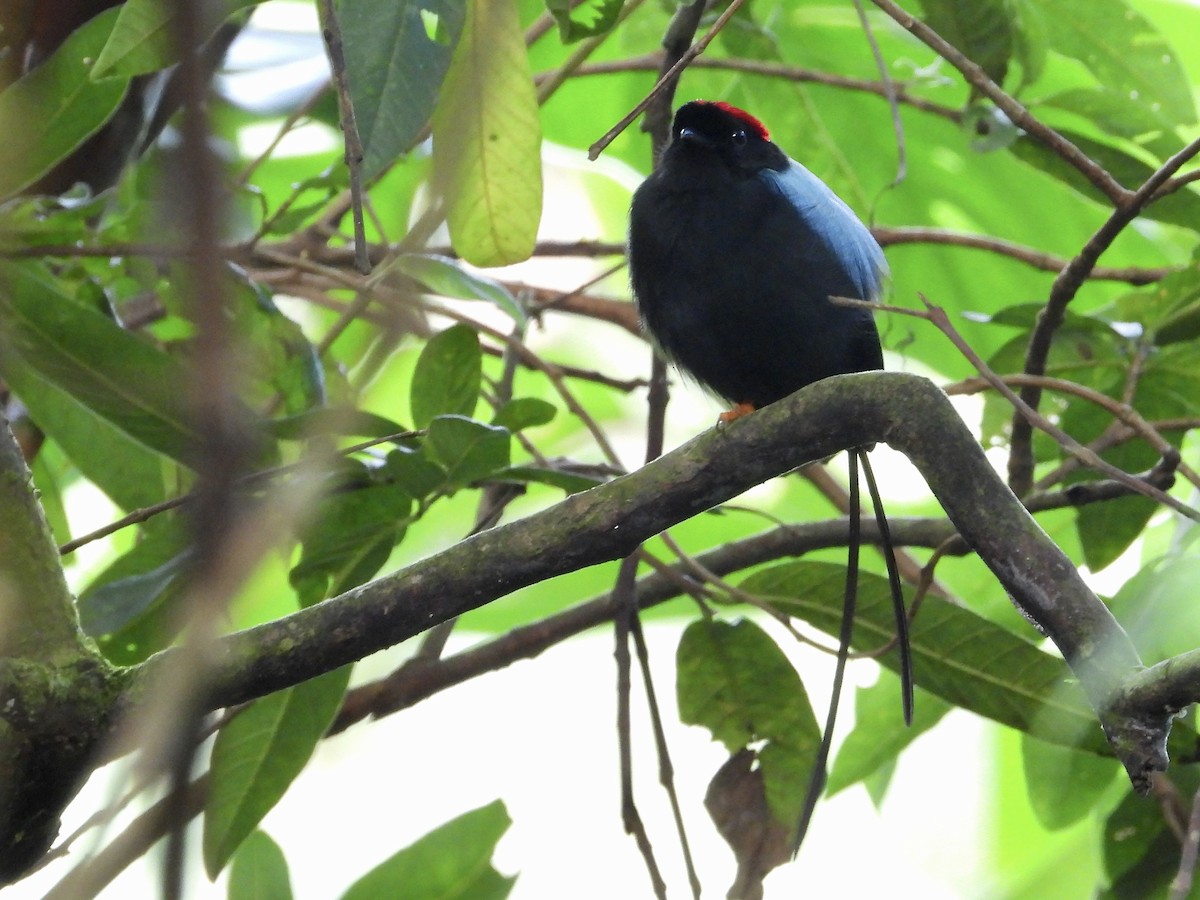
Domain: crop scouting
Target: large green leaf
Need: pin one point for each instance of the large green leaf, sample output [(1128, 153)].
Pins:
[(449, 278), (56, 107), (350, 538), (258, 754), (466, 449), (396, 57), (126, 380), (447, 378), (736, 682), (259, 870), (487, 139), (1123, 50), (1064, 785), (1181, 207), (958, 655), (452, 861), (982, 29), (143, 39), (128, 471), (587, 19), (1141, 852)]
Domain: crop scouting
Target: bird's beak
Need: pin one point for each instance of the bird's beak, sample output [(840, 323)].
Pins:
[(693, 136)]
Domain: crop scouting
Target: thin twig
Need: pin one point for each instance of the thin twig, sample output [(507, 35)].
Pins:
[(889, 90), (1181, 884), (937, 316), (1066, 286), (148, 512), (1018, 114), (355, 153), (668, 79)]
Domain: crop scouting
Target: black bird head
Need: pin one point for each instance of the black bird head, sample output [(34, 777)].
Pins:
[(706, 133)]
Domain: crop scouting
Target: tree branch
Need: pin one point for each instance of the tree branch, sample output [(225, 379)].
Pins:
[(606, 523)]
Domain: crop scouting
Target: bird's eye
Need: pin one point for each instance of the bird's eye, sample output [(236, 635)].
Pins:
[(739, 137)]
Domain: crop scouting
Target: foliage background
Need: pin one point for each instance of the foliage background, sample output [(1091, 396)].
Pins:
[(1117, 77)]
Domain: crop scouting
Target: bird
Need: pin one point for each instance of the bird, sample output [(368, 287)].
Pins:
[(735, 251)]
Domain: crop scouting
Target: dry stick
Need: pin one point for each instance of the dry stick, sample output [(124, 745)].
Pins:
[(650, 62), (354, 154), (667, 79), (1122, 411), (1181, 885), (625, 611), (887, 236), (1046, 262), (1062, 292), (937, 316)]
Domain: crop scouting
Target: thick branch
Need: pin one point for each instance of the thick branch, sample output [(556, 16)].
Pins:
[(55, 690), (606, 523), (36, 608)]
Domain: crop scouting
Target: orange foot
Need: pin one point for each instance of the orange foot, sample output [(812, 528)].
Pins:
[(739, 410)]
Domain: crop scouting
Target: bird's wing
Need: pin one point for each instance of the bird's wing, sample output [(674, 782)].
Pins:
[(836, 224)]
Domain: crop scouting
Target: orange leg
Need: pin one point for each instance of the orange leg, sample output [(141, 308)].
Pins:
[(739, 410)]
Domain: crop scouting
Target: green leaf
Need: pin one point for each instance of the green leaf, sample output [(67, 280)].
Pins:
[(412, 470), (281, 366), (259, 870), (879, 734), (1112, 111), (1106, 530), (569, 482), (447, 377), (736, 682), (487, 139), (1141, 853), (314, 422), (350, 539), (143, 39), (468, 450), (452, 861), (1064, 785), (1157, 606), (258, 754), (982, 29), (524, 412), (113, 605), (1174, 307), (119, 376), (1123, 50), (129, 472), (395, 68), (159, 541), (957, 655), (1181, 207), (588, 19), (48, 113), (444, 276)]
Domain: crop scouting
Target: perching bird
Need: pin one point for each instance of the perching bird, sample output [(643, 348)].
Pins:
[(734, 253)]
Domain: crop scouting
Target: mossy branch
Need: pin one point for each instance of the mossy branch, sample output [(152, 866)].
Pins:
[(909, 413)]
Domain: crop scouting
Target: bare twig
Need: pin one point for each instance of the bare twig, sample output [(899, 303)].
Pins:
[(667, 80), (1018, 114), (1127, 208), (1181, 884), (937, 316), (332, 33)]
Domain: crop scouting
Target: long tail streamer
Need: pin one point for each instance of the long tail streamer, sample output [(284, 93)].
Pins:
[(816, 783)]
